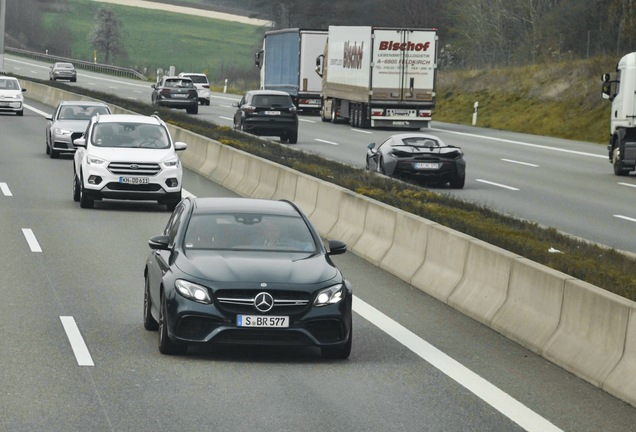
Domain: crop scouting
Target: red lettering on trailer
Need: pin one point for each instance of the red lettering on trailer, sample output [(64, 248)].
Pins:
[(404, 46)]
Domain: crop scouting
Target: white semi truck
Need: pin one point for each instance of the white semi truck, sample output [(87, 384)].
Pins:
[(622, 93), (287, 63), (378, 76)]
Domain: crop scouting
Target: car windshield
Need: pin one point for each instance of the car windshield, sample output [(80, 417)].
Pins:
[(130, 135), (81, 112), (267, 101), (179, 83), (419, 142), (253, 232), (9, 84)]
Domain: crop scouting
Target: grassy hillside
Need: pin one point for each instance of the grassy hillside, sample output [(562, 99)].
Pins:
[(156, 39), (560, 99)]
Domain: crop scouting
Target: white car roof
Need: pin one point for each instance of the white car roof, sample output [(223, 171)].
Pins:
[(128, 118)]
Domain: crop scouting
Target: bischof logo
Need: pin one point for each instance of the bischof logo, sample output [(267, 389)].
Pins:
[(264, 302)]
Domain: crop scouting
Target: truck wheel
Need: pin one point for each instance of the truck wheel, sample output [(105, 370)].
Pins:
[(617, 163)]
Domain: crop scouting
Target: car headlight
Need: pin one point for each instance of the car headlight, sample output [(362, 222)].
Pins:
[(331, 295), (174, 163), (193, 291), (60, 131), (92, 160)]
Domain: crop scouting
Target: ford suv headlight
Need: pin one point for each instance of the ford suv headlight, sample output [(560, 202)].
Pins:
[(92, 160), (193, 291), (173, 163), (331, 295)]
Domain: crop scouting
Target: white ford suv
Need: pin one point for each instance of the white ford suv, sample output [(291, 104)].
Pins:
[(128, 157)]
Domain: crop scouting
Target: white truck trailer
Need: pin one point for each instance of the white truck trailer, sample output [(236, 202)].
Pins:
[(287, 63), (622, 93), (378, 76)]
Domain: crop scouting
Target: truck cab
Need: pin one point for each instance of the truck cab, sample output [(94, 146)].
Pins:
[(621, 91)]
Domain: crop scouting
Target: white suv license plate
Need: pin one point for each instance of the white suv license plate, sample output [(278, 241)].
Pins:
[(262, 321), (134, 180), (427, 165), (272, 112)]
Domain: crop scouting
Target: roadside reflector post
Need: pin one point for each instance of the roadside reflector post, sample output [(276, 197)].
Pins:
[(475, 113), (225, 86)]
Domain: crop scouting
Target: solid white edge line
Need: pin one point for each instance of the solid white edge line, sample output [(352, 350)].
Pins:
[(82, 355), (521, 163), (5, 189), (497, 184), (625, 218), (521, 143), (37, 111), (627, 184), (326, 142), (31, 240), (499, 400)]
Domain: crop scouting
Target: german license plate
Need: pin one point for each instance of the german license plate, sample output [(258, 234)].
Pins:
[(272, 112), (179, 95), (262, 321), (427, 165), (133, 180)]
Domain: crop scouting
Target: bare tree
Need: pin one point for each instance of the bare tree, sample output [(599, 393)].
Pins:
[(107, 37)]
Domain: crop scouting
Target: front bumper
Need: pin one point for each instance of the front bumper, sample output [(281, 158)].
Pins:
[(11, 105), (193, 323), (163, 186)]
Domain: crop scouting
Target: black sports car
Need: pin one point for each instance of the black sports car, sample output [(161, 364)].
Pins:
[(418, 156), (245, 271)]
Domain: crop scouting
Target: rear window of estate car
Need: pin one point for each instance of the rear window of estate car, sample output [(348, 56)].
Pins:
[(199, 79), (267, 101), (179, 83)]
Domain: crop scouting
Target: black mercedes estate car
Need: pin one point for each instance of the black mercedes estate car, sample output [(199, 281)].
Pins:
[(245, 271)]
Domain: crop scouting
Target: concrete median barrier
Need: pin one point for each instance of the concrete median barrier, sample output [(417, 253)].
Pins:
[(444, 262), (484, 287), (194, 156), (352, 210), (622, 380), (325, 215), (286, 186), (408, 250), (306, 193), (531, 312), (378, 233), (268, 180), (590, 339), (238, 170)]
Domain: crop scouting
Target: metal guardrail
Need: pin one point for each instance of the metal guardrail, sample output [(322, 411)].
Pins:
[(79, 64)]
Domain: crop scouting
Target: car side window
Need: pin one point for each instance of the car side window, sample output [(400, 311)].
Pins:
[(173, 224), (384, 143)]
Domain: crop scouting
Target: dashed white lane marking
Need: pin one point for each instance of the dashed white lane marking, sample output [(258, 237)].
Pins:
[(5, 189), (497, 184), (31, 240), (82, 355)]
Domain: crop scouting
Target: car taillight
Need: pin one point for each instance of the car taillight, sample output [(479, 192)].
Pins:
[(206, 86), (249, 108), (425, 114), (377, 112), (165, 92), (292, 108)]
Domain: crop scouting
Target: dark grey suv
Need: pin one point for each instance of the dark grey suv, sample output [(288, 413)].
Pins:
[(267, 113)]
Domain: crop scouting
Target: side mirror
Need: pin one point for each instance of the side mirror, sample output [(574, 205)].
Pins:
[(371, 146), (605, 77), (153, 86), (159, 242), (79, 142), (180, 146), (235, 104), (23, 90), (336, 247), (319, 65)]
